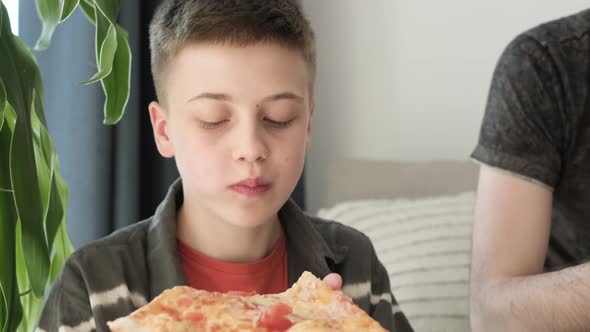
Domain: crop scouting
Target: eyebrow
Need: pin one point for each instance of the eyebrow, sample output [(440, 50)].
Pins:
[(210, 95), (225, 97), (284, 95)]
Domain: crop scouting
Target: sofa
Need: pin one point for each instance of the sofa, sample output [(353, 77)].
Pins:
[(419, 217)]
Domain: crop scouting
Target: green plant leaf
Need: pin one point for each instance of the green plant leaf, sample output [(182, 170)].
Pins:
[(26, 187), (107, 55), (109, 8), (63, 246), (20, 268), (22, 163), (63, 249), (117, 85), (31, 311), (56, 212), (3, 309), (67, 8), (43, 165), (30, 303), (12, 309), (5, 144), (1, 16), (10, 120), (88, 9), (102, 25), (46, 159), (2, 100), (18, 67), (45, 141), (49, 13)]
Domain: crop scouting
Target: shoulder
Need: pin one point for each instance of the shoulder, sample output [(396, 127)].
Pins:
[(122, 239), (338, 233), (354, 254), (552, 40), (102, 280), (562, 30), (101, 263)]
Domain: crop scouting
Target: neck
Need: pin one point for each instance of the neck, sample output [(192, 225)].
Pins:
[(224, 241)]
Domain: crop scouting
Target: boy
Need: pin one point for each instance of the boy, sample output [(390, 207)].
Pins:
[(234, 82)]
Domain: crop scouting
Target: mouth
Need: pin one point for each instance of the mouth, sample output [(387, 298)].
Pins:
[(251, 187)]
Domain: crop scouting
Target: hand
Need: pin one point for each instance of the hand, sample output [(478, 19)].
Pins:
[(334, 280)]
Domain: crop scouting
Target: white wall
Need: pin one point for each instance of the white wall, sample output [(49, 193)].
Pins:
[(408, 79), (12, 8)]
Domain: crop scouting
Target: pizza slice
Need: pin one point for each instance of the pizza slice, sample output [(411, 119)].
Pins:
[(309, 305)]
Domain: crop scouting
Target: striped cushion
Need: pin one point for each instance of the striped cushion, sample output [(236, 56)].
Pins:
[(425, 244)]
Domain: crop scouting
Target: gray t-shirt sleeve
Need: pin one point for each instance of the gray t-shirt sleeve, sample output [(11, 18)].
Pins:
[(524, 124)]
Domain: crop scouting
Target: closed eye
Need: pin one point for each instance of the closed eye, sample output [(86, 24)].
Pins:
[(278, 124), (212, 125)]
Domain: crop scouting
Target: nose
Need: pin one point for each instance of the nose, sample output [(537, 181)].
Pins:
[(250, 145)]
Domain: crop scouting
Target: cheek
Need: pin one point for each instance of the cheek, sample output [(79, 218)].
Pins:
[(197, 158), (292, 151)]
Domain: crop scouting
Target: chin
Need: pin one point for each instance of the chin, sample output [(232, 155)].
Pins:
[(252, 217), (250, 223)]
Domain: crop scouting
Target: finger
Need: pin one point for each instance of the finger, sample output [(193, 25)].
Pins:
[(334, 280)]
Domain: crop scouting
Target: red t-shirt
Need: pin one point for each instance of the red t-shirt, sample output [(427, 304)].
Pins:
[(265, 276)]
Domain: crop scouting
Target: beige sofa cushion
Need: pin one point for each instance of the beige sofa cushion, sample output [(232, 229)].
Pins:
[(425, 244)]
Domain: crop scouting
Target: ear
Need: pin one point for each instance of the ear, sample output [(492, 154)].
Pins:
[(311, 110), (159, 118)]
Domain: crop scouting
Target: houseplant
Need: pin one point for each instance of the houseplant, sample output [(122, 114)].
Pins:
[(33, 196)]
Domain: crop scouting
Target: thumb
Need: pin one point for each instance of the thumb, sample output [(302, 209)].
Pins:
[(334, 280)]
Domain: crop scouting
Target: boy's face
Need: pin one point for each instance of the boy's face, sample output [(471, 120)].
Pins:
[(237, 120)]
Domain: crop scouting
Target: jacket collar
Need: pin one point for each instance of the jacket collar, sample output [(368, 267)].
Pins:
[(163, 264), (306, 248)]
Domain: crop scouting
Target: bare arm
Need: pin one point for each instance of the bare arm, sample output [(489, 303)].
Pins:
[(509, 291)]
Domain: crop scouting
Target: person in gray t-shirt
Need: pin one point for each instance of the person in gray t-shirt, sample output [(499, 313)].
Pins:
[(531, 236)]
